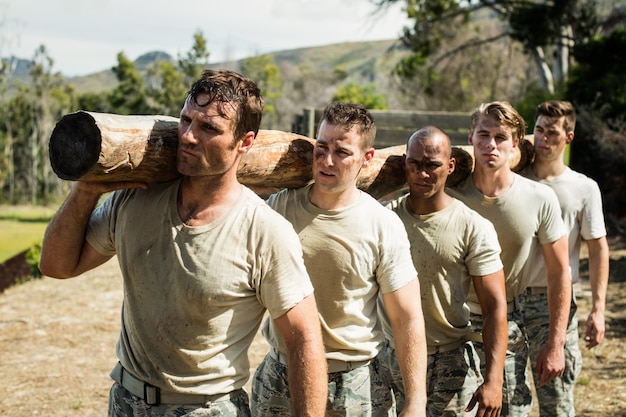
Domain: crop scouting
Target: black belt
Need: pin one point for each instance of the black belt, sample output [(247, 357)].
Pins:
[(154, 395)]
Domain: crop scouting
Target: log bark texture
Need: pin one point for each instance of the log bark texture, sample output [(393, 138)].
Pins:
[(90, 146)]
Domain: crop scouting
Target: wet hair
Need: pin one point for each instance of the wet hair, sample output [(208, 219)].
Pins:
[(558, 109), (229, 88), (503, 112), (427, 132), (348, 115)]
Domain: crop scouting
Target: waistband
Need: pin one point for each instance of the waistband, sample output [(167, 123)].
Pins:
[(447, 347), (511, 307), (535, 291), (333, 364), (154, 395)]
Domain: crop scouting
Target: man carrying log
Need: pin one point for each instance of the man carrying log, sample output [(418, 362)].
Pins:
[(202, 259), (581, 207), (354, 250), (527, 218), (453, 247)]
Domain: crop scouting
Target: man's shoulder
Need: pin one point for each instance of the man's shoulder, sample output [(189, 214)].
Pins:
[(577, 177), (531, 188)]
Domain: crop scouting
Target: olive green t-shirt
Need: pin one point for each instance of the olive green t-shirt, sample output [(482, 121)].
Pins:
[(448, 248), (526, 216), (194, 297), (351, 255)]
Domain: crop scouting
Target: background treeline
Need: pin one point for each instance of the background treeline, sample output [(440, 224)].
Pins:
[(457, 55)]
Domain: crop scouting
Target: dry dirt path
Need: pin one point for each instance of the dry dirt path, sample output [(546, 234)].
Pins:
[(57, 346)]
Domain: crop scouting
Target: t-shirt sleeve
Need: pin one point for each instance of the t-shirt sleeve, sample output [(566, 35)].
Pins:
[(592, 220), (284, 281), (101, 229), (551, 227), (483, 256), (396, 268)]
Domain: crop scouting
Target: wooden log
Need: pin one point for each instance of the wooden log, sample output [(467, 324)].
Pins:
[(90, 146)]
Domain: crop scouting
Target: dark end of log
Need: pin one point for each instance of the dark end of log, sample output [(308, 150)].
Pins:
[(390, 178), (75, 145), (464, 166)]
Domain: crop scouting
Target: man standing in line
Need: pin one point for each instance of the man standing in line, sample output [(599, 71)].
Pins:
[(202, 258), (581, 209), (354, 250), (527, 218), (452, 247)]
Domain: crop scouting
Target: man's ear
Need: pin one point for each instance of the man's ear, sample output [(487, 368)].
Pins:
[(369, 155), (451, 165), (246, 142), (570, 138), (469, 137)]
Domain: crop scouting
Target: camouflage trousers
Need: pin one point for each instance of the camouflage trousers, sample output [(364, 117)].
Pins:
[(356, 393), (556, 398), (516, 395), (452, 377), (124, 404)]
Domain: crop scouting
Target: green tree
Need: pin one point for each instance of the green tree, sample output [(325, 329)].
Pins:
[(266, 74), (196, 60), (361, 94), (30, 116), (546, 29), (129, 96), (168, 82), (169, 91), (598, 81)]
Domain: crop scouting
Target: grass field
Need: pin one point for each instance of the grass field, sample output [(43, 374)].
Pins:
[(21, 227)]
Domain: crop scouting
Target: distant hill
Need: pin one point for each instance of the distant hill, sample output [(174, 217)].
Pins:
[(363, 58)]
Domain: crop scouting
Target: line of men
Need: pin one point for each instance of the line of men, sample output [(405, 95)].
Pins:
[(203, 259)]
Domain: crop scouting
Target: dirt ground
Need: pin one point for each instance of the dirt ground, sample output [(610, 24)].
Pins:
[(57, 345)]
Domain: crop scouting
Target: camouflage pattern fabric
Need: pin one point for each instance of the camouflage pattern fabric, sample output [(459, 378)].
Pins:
[(452, 378), (356, 393), (124, 404), (516, 395), (556, 398)]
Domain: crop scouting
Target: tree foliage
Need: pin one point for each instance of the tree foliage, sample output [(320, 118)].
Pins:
[(598, 81), (266, 75), (361, 94), (546, 29)]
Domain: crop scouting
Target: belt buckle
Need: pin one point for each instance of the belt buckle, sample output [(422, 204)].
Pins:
[(151, 394)]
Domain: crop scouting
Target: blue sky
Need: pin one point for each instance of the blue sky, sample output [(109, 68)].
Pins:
[(85, 36)]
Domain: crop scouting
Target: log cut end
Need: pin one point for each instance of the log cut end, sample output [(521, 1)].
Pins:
[(75, 145)]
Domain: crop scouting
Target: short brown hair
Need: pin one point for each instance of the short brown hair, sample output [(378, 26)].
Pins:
[(503, 112), (229, 87), (558, 109), (348, 115)]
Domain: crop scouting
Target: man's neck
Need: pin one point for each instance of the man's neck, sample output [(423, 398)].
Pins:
[(333, 200), (202, 200), (548, 170), (493, 183), (424, 206)]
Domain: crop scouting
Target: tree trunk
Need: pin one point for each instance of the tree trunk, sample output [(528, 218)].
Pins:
[(90, 146)]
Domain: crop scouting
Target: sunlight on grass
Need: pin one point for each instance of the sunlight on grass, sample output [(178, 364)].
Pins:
[(21, 227)]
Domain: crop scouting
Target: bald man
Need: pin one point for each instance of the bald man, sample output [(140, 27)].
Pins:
[(452, 247)]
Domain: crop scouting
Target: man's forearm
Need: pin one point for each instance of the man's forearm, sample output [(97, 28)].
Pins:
[(559, 305), (308, 381), (598, 272), (65, 235), (410, 347), (495, 339)]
